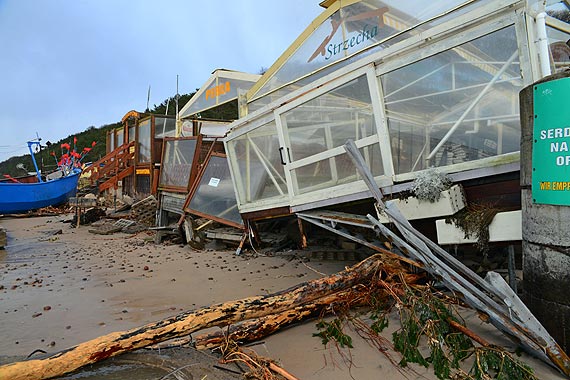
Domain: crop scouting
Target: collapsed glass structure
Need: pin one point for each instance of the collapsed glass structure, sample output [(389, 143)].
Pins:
[(194, 173), (415, 85)]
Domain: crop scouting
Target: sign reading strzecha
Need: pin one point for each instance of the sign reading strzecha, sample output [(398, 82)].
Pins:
[(551, 143)]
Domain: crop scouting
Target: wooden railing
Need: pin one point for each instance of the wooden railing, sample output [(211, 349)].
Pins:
[(113, 167)]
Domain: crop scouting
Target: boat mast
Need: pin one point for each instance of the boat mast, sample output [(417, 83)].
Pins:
[(30, 144)]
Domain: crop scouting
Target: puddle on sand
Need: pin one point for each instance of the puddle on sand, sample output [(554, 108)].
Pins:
[(27, 250), (166, 364)]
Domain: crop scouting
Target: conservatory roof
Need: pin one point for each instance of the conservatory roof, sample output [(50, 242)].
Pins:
[(222, 86), (346, 29)]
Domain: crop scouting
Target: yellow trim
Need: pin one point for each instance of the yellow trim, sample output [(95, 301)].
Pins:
[(326, 3), (332, 8), (132, 113)]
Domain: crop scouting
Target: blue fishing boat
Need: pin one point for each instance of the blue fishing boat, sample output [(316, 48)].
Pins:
[(22, 197)]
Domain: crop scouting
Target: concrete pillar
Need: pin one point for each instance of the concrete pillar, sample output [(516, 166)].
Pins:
[(545, 228)]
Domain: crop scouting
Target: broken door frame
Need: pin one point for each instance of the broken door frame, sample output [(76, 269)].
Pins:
[(194, 164)]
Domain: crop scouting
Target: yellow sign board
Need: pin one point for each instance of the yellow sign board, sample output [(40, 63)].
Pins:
[(143, 171)]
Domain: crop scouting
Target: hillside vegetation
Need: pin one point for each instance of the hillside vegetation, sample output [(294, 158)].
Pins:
[(47, 162)]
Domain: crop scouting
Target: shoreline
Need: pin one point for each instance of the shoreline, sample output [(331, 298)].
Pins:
[(61, 289)]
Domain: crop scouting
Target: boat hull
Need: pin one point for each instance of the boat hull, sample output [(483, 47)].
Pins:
[(18, 198)]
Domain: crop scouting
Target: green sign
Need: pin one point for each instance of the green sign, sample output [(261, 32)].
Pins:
[(551, 143)]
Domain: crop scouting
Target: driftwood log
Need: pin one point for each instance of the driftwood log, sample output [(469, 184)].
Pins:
[(185, 323), (255, 329)]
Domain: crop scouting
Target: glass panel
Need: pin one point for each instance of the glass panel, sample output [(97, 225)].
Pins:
[(112, 139), (143, 185), (219, 92), (329, 120), (213, 128), (132, 133), (128, 185), (559, 10), (177, 163), (164, 127), (354, 28), (559, 41), (120, 137), (261, 174), (144, 141), (336, 170), (559, 48), (459, 105), (215, 194)]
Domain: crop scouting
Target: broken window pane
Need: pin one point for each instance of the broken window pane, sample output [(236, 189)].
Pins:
[(215, 194)]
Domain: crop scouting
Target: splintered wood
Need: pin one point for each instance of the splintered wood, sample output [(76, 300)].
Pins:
[(283, 307)]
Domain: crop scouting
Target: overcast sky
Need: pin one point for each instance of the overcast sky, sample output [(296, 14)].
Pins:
[(66, 65)]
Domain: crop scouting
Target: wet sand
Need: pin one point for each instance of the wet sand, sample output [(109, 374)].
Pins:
[(58, 290)]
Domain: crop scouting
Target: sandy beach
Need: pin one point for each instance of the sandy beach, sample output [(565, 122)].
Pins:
[(58, 289)]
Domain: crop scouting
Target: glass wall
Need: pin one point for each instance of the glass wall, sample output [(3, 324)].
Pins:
[(325, 123), (177, 163), (255, 155), (144, 141), (448, 100), (457, 106)]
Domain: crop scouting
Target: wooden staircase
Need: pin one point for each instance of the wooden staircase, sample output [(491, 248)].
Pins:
[(112, 168)]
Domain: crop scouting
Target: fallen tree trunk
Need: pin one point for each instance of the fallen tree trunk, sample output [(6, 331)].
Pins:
[(255, 329), (185, 323)]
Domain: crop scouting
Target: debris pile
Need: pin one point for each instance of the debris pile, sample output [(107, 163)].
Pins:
[(144, 211)]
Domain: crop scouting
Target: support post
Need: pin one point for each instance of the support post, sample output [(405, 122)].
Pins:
[(511, 268), (302, 233), (545, 232)]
